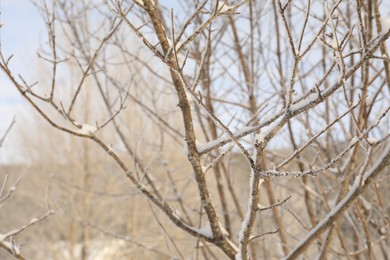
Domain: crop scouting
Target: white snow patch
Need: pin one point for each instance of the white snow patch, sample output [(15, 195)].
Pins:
[(11, 246), (354, 140), (335, 44), (33, 220), (224, 138), (245, 222), (338, 59), (205, 230), (176, 213), (260, 137), (206, 146), (224, 231), (185, 148), (233, 245), (309, 99), (205, 168), (141, 2), (188, 94), (246, 128), (177, 45), (267, 117), (87, 129), (224, 7), (273, 172), (261, 181)]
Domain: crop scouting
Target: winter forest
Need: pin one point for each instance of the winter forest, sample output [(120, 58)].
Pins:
[(205, 129)]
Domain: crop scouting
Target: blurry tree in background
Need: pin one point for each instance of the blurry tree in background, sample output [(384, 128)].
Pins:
[(7, 239), (260, 129)]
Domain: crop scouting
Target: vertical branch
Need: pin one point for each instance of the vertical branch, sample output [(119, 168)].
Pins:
[(193, 155)]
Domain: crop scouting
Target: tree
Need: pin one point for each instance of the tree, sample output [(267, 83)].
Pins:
[(298, 88)]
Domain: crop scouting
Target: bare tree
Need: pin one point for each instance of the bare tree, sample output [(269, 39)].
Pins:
[(299, 89)]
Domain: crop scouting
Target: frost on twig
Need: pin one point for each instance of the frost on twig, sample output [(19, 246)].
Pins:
[(206, 231), (87, 129)]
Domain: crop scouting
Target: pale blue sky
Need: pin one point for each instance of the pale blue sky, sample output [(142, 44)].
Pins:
[(22, 29), (20, 33)]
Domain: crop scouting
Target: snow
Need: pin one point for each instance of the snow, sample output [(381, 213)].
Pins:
[(224, 7), (233, 245), (354, 140), (246, 128), (260, 137), (223, 139), (177, 46), (141, 2), (335, 44), (338, 59), (273, 172), (267, 117), (176, 213), (33, 220), (87, 129), (224, 231), (245, 222), (261, 182), (204, 147), (185, 148), (11, 246), (205, 230), (303, 103)]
